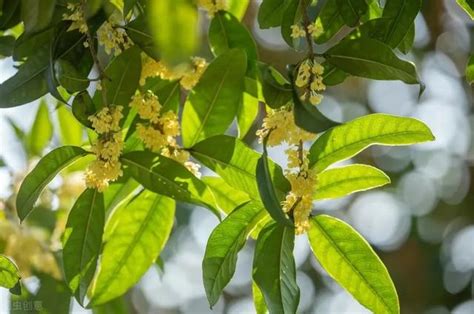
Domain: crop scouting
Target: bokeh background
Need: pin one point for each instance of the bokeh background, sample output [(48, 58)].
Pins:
[(422, 225)]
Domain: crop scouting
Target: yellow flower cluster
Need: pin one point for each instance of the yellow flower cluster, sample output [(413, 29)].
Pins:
[(300, 199), (188, 77), (107, 148), (279, 126), (114, 39), (160, 130), (212, 6), (29, 249), (77, 18), (298, 31), (310, 77)]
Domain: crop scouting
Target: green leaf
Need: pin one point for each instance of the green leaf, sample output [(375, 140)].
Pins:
[(407, 43), (347, 140), (10, 14), (9, 273), (70, 129), (213, 103), (467, 6), (291, 16), (308, 117), (37, 14), (247, 114), (28, 83), (270, 13), (470, 70), (276, 90), (238, 8), (337, 182), (370, 58), (174, 25), (350, 260), (116, 306), (274, 268), (168, 93), (82, 241), (224, 243), (332, 75), (352, 10), (6, 46), (227, 198), (258, 301), (226, 32), (236, 163), (118, 193), (401, 16), (41, 131), (163, 175), (135, 235), (83, 107), (69, 77), (124, 73), (330, 21), (266, 189), (139, 32), (46, 169)]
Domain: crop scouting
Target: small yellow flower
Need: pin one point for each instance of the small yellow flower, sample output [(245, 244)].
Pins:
[(212, 6), (297, 31), (99, 173), (310, 77), (314, 29), (77, 18), (114, 39), (107, 120), (148, 107), (191, 78)]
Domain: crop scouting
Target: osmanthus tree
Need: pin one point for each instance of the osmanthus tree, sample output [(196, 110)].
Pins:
[(129, 72)]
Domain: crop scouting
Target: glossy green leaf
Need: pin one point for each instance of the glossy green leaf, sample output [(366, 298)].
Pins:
[(347, 140), (333, 75), (82, 241), (467, 6), (307, 116), (370, 58), (226, 32), (470, 70), (28, 83), (37, 14), (258, 301), (274, 269), (266, 189), (168, 93), (71, 131), (135, 235), (236, 163), (27, 44), (270, 13), (6, 46), (124, 73), (41, 131), (330, 21), (10, 14), (247, 114), (276, 90), (116, 306), (291, 16), (174, 26), (139, 32), (399, 16), (83, 107), (350, 260), (69, 77), (224, 243), (238, 7), (337, 182), (227, 198), (118, 193), (352, 10), (213, 103), (162, 175), (46, 169), (407, 43), (9, 273)]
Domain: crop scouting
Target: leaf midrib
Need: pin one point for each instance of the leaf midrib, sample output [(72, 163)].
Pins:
[(356, 271), (334, 152), (369, 61), (211, 107), (132, 246), (245, 172)]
